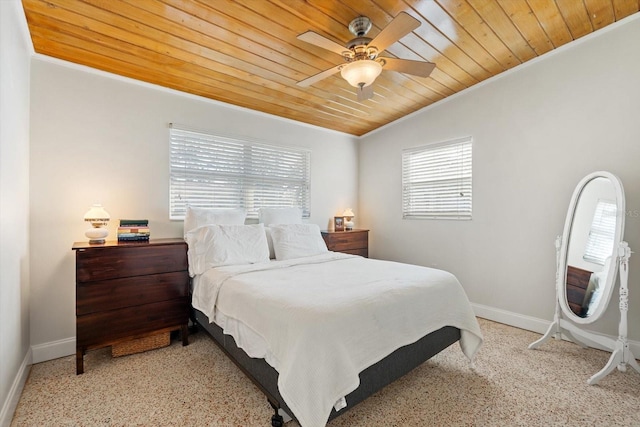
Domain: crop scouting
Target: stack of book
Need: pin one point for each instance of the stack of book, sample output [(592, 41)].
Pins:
[(133, 230)]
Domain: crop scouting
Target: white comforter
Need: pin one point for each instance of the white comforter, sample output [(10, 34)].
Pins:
[(328, 317)]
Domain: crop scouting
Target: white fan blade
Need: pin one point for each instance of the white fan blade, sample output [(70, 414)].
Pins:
[(321, 75), (322, 41), (364, 92), (401, 25), (416, 68)]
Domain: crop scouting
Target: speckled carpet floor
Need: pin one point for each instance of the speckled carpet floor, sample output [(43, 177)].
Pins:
[(198, 386)]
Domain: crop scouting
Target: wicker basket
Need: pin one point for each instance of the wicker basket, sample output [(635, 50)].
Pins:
[(141, 344)]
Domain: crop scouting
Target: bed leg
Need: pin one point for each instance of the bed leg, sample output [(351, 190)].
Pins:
[(276, 420), (193, 327)]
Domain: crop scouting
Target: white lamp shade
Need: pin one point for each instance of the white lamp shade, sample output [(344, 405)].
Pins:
[(348, 216), (97, 214), (361, 72)]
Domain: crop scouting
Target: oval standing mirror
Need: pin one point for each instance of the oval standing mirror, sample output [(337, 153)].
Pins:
[(589, 255), (592, 233)]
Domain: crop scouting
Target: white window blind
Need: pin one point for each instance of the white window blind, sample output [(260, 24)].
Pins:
[(221, 172), (436, 180), (602, 233)]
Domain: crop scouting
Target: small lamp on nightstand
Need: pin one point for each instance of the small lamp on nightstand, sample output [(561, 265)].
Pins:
[(348, 216), (98, 218)]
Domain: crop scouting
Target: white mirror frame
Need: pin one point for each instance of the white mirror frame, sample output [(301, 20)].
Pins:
[(621, 355), (561, 277)]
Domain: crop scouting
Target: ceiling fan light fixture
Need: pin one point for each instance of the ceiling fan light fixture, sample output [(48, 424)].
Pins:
[(361, 73)]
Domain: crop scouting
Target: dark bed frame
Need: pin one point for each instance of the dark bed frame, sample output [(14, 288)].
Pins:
[(372, 379)]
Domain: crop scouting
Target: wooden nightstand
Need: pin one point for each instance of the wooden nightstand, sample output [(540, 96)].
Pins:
[(351, 242), (129, 290)]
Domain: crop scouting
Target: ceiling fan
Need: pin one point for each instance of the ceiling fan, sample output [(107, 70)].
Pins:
[(361, 54)]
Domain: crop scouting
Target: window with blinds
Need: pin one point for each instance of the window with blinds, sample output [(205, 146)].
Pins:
[(436, 181), (602, 234), (220, 172)]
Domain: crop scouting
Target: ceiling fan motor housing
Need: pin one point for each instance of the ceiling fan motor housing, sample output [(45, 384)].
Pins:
[(359, 49)]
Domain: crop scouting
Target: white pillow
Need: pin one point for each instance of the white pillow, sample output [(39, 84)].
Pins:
[(218, 245), (269, 216), (297, 240), (197, 217)]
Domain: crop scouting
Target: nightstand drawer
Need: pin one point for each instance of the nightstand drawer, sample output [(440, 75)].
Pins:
[(351, 242), (130, 291), (347, 240), (115, 262), (107, 327), (362, 252)]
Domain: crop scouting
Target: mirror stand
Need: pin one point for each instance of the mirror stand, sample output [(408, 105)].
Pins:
[(621, 355)]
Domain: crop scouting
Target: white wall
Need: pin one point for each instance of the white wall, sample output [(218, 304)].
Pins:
[(537, 131), (15, 48), (100, 138)]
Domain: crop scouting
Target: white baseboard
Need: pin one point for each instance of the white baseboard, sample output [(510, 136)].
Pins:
[(534, 324), (9, 406), (53, 350), (512, 319)]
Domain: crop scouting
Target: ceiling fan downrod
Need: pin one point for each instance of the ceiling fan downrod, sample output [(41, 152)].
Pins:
[(360, 26)]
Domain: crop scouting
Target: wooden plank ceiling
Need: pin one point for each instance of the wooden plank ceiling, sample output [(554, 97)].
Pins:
[(246, 52)]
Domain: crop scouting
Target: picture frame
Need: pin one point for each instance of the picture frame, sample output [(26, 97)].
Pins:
[(338, 223)]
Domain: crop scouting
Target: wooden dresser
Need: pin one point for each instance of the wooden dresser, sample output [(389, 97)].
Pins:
[(577, 284), (351, 242), (129, 290)]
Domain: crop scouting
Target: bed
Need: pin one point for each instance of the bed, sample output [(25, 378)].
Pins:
[(320, 331)]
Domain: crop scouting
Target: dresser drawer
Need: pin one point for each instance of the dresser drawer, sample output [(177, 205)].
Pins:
[(115, 262), (105, 328), (130, 291), (578, 277)]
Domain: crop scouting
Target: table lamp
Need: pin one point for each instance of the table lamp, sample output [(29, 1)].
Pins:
[(98, 218), (348, 216)]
